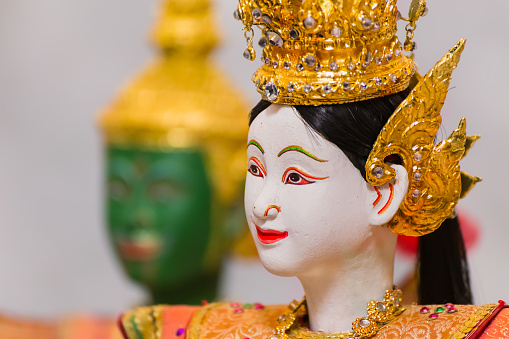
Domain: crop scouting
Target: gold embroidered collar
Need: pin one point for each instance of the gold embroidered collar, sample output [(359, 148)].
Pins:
[(379, 313)]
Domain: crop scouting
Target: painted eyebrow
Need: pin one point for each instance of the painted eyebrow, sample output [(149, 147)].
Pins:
[(256, 144), (301, 150)]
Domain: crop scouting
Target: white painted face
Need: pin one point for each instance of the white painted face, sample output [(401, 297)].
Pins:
[(306, 204)]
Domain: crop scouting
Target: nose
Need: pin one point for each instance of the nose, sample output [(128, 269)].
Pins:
[(142, 218), (265, 205)]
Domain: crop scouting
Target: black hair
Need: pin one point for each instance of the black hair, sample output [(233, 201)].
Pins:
[(442, 269), (442, 274)]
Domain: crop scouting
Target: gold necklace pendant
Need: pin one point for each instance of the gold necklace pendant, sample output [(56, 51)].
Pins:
[(379, 313)]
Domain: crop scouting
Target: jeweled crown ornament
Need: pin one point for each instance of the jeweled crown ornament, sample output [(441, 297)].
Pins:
[(328, 51)]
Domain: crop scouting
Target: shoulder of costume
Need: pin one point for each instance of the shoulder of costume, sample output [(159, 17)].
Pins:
[(161, 321), (232, 320), (214, 320), (450, 321)]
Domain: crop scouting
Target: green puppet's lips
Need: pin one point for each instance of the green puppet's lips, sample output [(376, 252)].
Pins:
[(143, 246)]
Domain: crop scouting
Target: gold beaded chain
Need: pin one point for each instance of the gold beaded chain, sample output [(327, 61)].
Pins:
[(379, 314)]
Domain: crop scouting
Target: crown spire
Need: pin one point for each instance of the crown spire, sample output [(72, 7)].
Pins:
[(185, 26)]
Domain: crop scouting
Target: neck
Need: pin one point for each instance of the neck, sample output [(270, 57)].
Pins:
[(194, 292), (338, 294)]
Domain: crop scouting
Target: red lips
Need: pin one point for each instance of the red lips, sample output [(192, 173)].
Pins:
[(138, 250), (270, 236)]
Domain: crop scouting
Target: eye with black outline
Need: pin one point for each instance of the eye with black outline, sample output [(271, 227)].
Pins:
[(256, 168), (295, 176), (118, 189)]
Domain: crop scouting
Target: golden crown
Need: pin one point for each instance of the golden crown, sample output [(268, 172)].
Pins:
[(319, 52)]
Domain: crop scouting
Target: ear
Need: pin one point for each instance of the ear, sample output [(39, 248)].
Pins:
[(384, 201)]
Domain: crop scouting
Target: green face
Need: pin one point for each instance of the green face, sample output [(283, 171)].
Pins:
[(159, 207)]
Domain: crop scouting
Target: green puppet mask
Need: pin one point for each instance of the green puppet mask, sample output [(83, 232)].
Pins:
[(159, 214)]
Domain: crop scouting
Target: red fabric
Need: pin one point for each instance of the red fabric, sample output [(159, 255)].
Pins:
[(497, 327), (121, 326)]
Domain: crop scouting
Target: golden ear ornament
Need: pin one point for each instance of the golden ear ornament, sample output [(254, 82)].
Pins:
[(435, 180)]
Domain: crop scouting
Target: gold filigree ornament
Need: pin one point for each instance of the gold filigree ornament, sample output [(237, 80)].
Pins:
[(435, 180), (328, 51), (379, 313)]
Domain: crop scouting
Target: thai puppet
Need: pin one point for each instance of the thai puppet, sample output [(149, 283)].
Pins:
[(174, 149), (341, 158)]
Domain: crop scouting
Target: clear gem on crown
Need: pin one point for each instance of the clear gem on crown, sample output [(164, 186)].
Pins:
[(247, 54), (275, 39), (271, 91), (366, 23), (310, 60), (236, 14), (309, 22), (336, 32), (294, 34), (256, 13)]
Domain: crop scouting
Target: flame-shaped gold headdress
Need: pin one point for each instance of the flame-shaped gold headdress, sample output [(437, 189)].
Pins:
[(327, 51), (435, 180)]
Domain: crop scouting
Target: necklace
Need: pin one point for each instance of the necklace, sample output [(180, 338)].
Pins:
[(379, 314)]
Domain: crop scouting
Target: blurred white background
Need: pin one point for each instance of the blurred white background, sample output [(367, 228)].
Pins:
[(62, 62)]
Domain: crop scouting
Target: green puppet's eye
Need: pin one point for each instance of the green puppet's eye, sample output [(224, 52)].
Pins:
[(162, 191), (118, 189)]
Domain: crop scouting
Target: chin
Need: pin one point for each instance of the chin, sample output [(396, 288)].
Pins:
[(277, 264)]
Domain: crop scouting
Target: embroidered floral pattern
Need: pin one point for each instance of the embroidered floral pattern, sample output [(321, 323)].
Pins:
[(413, 324), (218, 321)]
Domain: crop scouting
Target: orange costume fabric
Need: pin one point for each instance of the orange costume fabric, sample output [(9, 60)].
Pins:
[(77, 327), (233, 321)]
